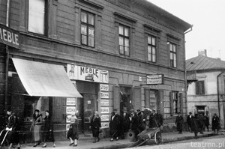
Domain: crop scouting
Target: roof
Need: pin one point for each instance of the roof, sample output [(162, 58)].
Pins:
[(204, 63), (165, 13)]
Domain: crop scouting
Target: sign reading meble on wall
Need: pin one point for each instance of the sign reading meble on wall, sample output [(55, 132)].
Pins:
[(87, 73), (9, 37)]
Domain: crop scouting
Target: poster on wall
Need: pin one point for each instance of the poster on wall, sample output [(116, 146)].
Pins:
[(104, 109), (104, 102), (105, 125), (72, 71), (71, 101), (104, 118), (71, 110), (104, 94), (104, 87)]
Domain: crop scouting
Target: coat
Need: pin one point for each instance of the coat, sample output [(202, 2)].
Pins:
[(73, 131), (189, 119), (179, 121), (95, 125), (195, 124), (206, 120), (48, 129), (215, 122), (114, 124), (125, 122)]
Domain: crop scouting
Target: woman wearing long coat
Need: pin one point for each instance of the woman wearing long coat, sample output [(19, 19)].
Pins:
[(48, 129), (36, 125), (215, 123), (95, 126), (113, 126), (73, 131), (179, 121)]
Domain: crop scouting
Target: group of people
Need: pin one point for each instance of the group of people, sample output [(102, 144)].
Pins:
[(135, 121), (198, 123)]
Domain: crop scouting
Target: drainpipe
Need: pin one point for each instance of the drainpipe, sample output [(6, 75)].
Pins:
[(218, 91)]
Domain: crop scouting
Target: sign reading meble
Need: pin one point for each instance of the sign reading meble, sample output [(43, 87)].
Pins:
[(9, 36)]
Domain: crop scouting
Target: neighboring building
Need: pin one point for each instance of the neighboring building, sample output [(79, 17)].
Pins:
[(206, 90), (118, 53)]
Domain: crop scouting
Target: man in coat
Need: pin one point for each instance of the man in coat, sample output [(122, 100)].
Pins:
[(215, 123), (195, 125), (179, 122), (201, 123), (125, 123), (113, 126), (189, 121), (140, 120), (206, 121)]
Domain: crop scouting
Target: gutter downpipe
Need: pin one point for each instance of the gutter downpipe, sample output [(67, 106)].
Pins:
[(218, 91), (185, 71)]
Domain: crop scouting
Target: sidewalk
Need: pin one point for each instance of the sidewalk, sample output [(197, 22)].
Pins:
[(107, 144)]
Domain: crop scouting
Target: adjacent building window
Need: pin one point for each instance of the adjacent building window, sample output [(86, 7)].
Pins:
[(200, 87), (124, 40), (87, 29), (151, 48), (173, 54), (37, 16), (175, 102)]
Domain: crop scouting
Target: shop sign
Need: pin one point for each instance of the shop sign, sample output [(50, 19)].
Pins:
[(104, 125), (104, 102), (104, 117), (71, 101), (9, 36), (155, 79), (104, 87), (87, 73), (104, 109), (71, 110), (104, 94)]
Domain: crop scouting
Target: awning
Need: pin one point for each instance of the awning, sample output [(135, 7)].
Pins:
[(43, 79)]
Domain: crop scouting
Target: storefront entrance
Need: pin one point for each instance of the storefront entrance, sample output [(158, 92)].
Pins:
[(152, 100), (87, 105), (126, 99)]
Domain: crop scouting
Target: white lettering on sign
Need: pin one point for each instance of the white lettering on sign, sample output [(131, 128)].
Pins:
[(104, 102), (104, 87), (104, 125), (104, 117), (104, 94), (71, 110), (71, 101), (9, 36), (155, 79), (104, 109)]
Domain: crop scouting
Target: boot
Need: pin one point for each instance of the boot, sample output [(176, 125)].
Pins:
[(94, 140)]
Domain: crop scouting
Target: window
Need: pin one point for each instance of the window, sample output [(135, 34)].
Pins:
[(200, 87), (124, 45), (173, 54), (87, 29), (151, 49), (36, 19)]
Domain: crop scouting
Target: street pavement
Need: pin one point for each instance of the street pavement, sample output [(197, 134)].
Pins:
[(107, 144), (214, 142)]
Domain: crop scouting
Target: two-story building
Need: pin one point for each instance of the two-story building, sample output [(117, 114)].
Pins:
[(206, 89), (119, 54)]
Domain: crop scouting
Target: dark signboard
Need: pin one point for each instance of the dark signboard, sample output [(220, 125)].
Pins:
[(9, 36)]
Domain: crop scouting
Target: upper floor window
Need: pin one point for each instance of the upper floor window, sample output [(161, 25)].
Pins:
[(87, 29), (151, 48), (200, 87), (124, 40), (37, 16), (173, 54)]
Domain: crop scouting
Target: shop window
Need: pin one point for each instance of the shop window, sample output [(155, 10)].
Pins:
[(174, 103), (151, 48), (124, 40), (200, 87), (173, 54), (37, 16), (87, 29)]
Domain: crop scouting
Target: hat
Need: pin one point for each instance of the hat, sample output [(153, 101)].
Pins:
[(36, 110)]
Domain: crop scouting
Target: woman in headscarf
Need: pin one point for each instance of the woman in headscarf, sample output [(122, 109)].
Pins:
[(48, 129), (36, 125), (95, 126), (73, 131)]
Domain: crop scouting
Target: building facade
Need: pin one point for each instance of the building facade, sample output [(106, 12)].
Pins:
[(119, 54), (206, 94)]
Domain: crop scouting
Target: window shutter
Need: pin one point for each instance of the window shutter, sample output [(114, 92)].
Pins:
[(171, 103), (147, 98), (137, 98), (197, 88), (203, 87), (116, 98), (161, 102), (181, 103)]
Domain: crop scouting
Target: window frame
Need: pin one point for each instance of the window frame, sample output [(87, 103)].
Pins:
[(173, 61), (87, 28), (200, 87), (124, 38), (45, 18), (152, 46), (175, 98)]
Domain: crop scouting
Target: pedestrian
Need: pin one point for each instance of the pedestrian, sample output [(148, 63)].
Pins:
[(95, 126), (179, 122), (48, 129), (140, 120), (195, 125), (189, 121), (206, 121), (153, 123), (125, 123), (159, 119), (215, 123), (36, 126), (113, 126), (10, 132), (72, 134), (134, 123)]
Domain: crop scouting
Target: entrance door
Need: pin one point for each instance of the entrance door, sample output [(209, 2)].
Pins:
[(126, 99)]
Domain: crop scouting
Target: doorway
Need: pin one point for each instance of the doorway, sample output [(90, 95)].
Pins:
[(126, 99)]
